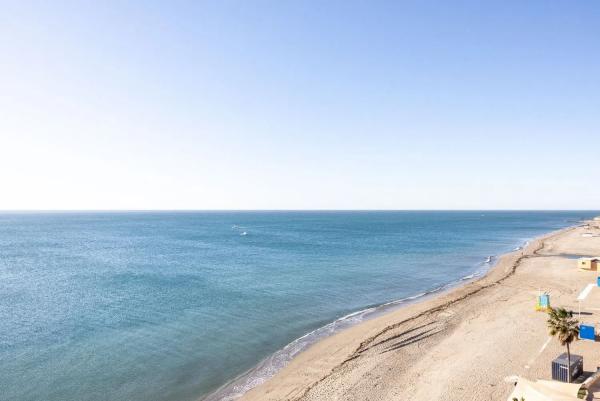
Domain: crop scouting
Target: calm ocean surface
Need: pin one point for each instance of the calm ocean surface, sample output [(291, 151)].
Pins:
[(170, 306)]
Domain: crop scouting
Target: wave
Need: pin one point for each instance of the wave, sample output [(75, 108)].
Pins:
[(271, 365), (241, 230), (278, 360)]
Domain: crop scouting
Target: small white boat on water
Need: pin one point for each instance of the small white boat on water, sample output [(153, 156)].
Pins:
[(488, 260)]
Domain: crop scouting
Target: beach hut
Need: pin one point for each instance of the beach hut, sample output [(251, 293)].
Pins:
[(543, 302), (588, 263), (560, 369)]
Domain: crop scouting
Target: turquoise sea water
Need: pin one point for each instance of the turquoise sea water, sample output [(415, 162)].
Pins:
[(171, 306)]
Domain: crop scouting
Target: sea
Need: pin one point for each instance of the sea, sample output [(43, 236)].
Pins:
[(205, 305)]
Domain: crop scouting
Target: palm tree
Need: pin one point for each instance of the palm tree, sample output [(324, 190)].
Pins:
[(565, 328)]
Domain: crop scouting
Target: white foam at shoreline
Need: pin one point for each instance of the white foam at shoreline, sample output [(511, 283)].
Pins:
[(278, 360)]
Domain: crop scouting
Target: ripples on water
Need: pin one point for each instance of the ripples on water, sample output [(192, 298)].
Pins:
[(170, 306)]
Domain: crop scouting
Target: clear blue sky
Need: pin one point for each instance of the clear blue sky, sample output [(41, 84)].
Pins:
[(300, 105)]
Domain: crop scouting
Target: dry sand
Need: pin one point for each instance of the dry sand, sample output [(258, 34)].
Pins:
[(459, 345)]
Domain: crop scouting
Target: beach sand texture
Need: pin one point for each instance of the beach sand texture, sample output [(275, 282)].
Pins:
[(459, 345)]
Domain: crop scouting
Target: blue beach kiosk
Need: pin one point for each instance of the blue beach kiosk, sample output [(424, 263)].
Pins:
[(587, 332)]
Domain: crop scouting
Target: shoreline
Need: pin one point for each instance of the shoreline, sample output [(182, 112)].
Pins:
[(227, 393), (251, 382), (457, 344)]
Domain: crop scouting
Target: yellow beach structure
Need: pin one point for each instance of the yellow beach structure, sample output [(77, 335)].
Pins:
[(588, 263)]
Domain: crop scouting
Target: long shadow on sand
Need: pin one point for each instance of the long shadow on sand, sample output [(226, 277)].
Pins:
[(411, 340), (397, 336)]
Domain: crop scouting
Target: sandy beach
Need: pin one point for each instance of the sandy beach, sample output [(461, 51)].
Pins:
[(460, 345)]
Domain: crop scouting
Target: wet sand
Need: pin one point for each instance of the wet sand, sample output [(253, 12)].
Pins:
[(459, 345)]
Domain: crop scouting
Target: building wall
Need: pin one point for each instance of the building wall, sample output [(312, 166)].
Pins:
[(588, 264)]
